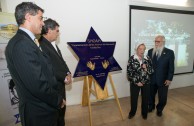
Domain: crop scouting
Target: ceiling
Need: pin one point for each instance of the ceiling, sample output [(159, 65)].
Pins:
[(189, 3)]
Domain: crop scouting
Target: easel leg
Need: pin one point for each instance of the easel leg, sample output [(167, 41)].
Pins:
[(115, 94), (89, 103), (85, 91)]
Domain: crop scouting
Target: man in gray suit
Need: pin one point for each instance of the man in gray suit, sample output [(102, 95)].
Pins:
[(50, 33), (31, 70), (163, 64)]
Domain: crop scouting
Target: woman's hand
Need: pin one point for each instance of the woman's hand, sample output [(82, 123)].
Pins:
[(139, 84)]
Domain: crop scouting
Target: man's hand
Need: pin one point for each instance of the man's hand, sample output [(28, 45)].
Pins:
[(68, 79), (63, 103), (167, 83)]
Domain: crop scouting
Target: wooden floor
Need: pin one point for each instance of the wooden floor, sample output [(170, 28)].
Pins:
[(179, 111)]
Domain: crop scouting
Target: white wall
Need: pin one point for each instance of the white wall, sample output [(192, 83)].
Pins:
[(110, 19)]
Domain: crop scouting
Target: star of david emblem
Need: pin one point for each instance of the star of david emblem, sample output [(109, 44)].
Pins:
[(95, 58)]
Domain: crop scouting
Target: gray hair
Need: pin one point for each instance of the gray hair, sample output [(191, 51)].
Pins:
[(23, 8), (163, 38)]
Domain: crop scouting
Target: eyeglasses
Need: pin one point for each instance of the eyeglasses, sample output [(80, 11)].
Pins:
[(157, 41), (44, 18)]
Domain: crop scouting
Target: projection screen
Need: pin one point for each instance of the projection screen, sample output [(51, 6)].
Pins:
[(177, 27)]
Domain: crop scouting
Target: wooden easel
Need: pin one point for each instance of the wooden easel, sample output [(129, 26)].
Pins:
[(98, 93)]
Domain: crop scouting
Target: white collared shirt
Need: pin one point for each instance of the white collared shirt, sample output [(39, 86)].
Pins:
[(136, 57), (32, 36), (54, 45)]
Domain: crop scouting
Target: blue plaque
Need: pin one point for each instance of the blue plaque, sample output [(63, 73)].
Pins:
[(95, 58)]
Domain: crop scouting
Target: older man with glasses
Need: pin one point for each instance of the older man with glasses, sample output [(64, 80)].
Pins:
[(163, 64)]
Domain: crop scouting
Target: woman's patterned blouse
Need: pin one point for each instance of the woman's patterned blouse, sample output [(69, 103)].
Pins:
[(136, 73)]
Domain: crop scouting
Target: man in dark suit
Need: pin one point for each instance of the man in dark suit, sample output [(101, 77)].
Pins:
[(31, 70), (163, 64), (50, 33)]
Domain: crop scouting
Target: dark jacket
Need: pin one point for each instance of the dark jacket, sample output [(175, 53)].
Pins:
[(163, 67), (35, 82), (59, 65)]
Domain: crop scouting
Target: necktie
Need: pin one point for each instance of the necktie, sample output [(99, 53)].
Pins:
[(155, 57), (155, 61), (37, 43)]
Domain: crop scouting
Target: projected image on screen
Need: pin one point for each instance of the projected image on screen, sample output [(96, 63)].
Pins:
[(145, 24)]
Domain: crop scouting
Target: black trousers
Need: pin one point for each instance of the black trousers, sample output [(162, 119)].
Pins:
[(134, 90), (61, 118), (162, 96), (31, 115)]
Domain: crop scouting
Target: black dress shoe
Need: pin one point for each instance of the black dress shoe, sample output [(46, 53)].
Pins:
[(159, 113), (144, 117), (131, 116), (150, 109)]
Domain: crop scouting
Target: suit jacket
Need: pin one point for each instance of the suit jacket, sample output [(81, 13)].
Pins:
[(59, 65), (163, 67), (36, 85)]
